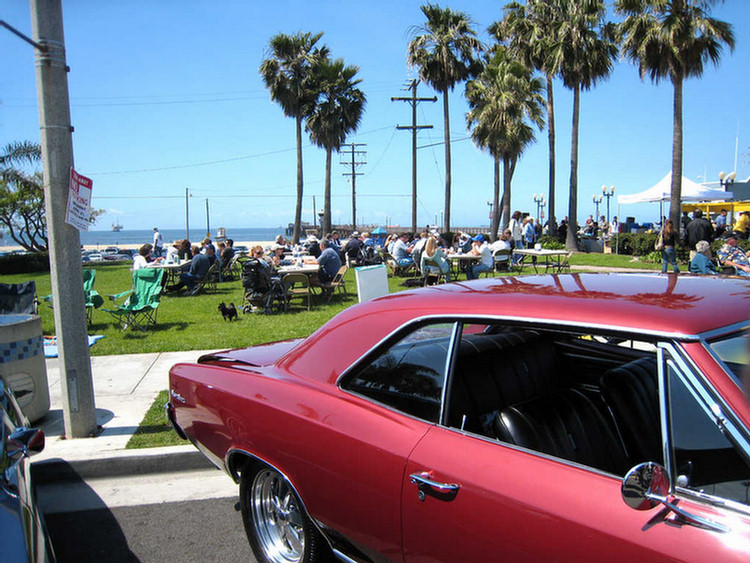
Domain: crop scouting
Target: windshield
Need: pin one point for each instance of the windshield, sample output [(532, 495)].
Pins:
[(734, 351)]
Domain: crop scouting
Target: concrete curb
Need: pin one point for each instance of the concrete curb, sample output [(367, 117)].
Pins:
[(121, 463)]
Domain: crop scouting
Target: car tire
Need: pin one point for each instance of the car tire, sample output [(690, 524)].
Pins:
[(276, 522)]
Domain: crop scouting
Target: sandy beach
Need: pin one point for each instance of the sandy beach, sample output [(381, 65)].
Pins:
[(249, 244)]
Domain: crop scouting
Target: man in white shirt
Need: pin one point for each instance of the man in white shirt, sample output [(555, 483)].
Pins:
[(158, 243), (479, 247)]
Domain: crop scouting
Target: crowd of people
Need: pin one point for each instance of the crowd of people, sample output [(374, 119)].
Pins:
[(697, 234)]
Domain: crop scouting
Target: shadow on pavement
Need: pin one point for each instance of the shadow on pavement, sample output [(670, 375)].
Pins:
[(80, 525)]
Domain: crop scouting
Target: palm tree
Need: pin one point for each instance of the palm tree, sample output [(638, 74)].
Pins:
[(337, 113), (584, 50), (287, 72), (505, 101), (672, 39), (528, 30), (445, 49)]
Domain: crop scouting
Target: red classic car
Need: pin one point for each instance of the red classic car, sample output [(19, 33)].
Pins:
[(514, 419)]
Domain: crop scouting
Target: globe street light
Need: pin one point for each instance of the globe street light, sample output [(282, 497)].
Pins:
[(540, 203), (597, 201), (608, 193)]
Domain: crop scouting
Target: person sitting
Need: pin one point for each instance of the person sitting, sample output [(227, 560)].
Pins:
[(353, 247), (502, 243), (401, 252), (330, 263), (173, 253), (277, 256), (143, 258), (743, 224), (479, 247), (312, 246), (185, 250), (367, 240), (199, 266), (732, 255), (227, 253), (210, 252), (433, 261), (701, 262)]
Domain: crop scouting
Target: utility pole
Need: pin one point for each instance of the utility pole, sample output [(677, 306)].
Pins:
[(79, 410), (208, 224), (187, 214), (414, 100), (354, 154)]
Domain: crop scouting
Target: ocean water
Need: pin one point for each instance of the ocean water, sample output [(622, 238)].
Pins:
[(131, 237)]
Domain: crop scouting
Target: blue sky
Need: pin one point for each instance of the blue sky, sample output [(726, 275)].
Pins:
[(166, 95)]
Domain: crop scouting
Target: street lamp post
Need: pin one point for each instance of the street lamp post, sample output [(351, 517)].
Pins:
[(597, 201), (540, 203), (608, 193)]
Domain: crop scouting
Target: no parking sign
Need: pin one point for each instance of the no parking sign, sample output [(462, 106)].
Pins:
[(79, 201)]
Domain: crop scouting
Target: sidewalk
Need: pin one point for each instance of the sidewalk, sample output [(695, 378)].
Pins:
[(124, 389)]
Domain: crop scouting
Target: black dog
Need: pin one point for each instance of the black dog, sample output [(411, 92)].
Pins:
[(229, 313)]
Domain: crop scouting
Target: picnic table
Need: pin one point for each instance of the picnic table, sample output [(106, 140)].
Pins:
[(554, 260), (460, 261)]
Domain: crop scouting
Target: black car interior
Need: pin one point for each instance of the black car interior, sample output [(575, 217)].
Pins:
[(541, 391)]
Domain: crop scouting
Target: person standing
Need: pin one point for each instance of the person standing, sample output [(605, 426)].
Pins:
[(721, 223), (516, 230), (668, 250), (529, 234), (158, 243), (698, 229)]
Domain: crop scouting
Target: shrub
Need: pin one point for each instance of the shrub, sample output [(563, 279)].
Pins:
[(551, 243), (636, 244), (24, 263)]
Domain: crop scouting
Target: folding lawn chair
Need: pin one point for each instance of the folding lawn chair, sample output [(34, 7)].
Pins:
[(140, 308), (92, 299), (18, 298)]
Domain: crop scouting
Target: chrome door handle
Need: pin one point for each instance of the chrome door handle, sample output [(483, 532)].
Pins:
[(424, 479)]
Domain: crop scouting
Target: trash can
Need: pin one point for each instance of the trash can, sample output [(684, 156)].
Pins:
[(22, 365)]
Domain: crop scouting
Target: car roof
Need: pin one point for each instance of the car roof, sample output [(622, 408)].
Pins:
[(670, 304), (678, 306)]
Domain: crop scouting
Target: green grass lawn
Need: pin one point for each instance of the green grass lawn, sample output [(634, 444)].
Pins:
[(194, 323), (155, 430)]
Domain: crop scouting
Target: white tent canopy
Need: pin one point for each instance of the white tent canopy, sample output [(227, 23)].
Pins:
[(662, 192)]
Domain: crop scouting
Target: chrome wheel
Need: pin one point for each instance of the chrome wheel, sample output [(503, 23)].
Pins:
[(277, 519)]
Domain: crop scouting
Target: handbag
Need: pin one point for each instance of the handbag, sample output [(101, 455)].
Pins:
[(659, 245)]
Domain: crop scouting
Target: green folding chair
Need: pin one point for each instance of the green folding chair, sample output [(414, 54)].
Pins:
[(92, 299), (142, 303)]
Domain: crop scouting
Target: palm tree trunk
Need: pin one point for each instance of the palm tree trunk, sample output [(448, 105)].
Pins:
[(447, 129), (496, 203), (551, 135), (298, 210), (327, 195), (676, 192), (509, 166), (570, 242)]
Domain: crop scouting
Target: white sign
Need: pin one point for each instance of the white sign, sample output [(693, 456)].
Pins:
[(79, 201), (372, 282)]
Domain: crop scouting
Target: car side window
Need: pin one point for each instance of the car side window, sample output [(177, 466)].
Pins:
[(409, 375), (706, 461)]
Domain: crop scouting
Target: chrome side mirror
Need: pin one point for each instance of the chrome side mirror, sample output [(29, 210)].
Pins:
[(647, 485), (24, 442), (642, 483)]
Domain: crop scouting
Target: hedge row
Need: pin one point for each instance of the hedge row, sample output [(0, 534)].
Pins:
[(24, 263)]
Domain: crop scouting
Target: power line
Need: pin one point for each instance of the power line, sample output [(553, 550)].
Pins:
[(354, 164), (414, 101), (222, 161)]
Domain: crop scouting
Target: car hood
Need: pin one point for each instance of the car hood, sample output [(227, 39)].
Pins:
[(261, 355)]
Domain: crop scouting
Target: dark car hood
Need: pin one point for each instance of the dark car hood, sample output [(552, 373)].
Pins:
[(261, 355)]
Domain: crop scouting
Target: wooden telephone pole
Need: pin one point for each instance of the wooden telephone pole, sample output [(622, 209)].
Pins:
[(414, 100)]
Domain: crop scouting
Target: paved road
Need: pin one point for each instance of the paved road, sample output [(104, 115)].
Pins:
[(148, 519), (192, 531)]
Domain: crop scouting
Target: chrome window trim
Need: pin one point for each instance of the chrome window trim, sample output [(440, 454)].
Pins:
[(737, 327), (448, 370), (535, 453), (706, 397), (563, 324)]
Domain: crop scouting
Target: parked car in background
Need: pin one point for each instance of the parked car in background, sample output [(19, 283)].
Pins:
[(535, 418), (121, 254), (91, 256), (23, 535), (240, 249)]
